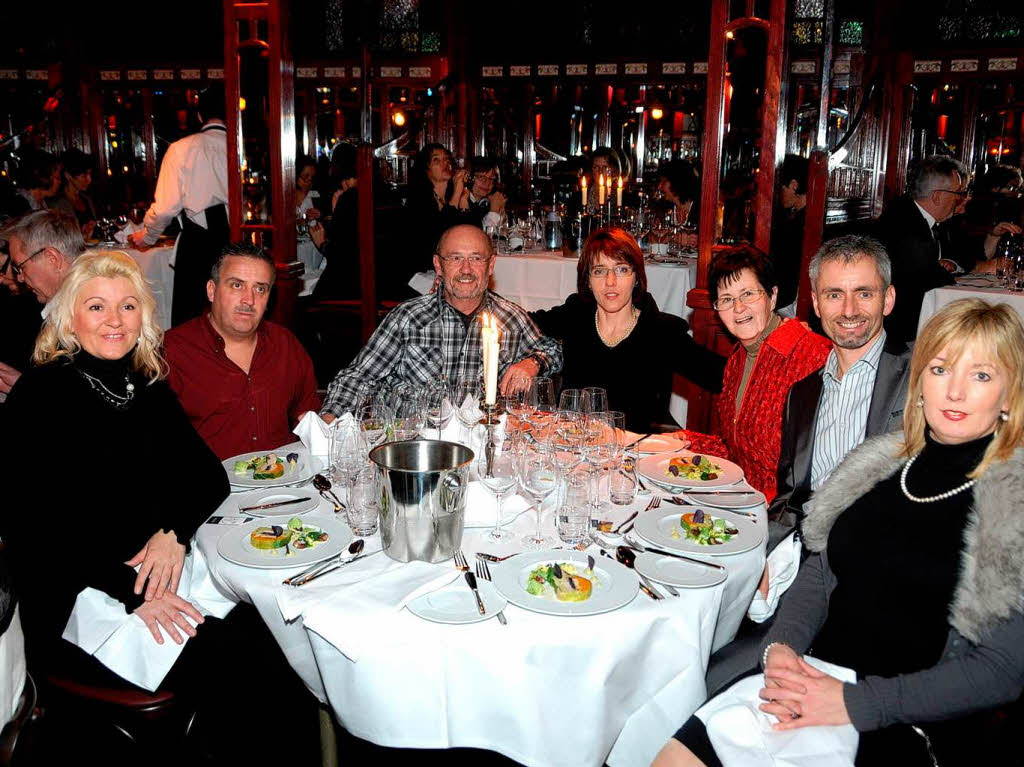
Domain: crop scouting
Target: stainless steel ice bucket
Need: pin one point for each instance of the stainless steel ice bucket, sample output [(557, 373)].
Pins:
[(423, 498)]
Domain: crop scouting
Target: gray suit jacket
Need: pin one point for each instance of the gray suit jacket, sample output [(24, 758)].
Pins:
[(794, 473)]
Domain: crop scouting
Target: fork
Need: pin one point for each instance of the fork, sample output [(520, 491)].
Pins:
[(492, 558), (460, 561), (655, 503), (483, 572)]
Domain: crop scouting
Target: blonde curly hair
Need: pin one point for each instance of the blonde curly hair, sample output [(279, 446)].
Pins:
[(57, 337)]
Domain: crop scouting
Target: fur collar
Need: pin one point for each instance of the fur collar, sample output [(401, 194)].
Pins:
[(991, 581)]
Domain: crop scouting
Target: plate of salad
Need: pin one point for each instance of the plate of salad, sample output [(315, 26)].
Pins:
[(269, 468), (686, 469), (692, 529), (301, 542)]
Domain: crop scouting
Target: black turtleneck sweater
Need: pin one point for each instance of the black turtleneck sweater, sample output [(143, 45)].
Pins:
[(637, 373), (96, 483), (897, 564)]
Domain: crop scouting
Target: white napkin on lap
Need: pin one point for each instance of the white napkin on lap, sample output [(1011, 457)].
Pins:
[(121, 641), (357, 606), (315, 434), (742, 735), (783, 565)]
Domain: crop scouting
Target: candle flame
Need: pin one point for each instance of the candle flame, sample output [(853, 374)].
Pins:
[(620, 182), (583, 182)]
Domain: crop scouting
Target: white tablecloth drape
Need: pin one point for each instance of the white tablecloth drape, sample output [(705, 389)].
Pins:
[(543, 690), (157, 266), (939, 297)]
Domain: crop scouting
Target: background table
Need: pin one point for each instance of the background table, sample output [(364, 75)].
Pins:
[(939, 297), (157, 266), (543, 690)]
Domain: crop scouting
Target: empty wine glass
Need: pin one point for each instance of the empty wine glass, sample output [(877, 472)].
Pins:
[(571, 399), (438, 405), (521, 404), (408, 417), (601, 447), (497, 472), (544, 396), (538, 479), (565, 444), (595, 400), (372, 417), (468, 390), (347, 452)]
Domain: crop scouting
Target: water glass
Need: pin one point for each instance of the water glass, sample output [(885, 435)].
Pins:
[(364, 503), (573, 519), (538, 479), (623, 482)]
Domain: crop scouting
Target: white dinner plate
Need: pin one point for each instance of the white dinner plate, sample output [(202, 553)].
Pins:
[(677, 572), (455, 603), (234, 546), (261, 497), (655, 468), (755, 498), (657, 527), (615, 586), (300, 473)]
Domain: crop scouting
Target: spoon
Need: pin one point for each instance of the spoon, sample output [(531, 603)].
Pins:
[(643, 581), (354, 548), (627, 556), (322, 484)]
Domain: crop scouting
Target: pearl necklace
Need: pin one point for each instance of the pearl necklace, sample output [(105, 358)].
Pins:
[(932, 498), (622, 337), (117, 400)]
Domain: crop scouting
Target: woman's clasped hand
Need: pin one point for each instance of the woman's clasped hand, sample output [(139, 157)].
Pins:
[(161, 560), (799, 694)]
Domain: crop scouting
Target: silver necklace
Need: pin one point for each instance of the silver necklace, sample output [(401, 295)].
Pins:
[(117, 400), (931, 498)]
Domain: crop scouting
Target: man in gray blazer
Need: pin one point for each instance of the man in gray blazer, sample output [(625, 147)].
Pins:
[(858, 393)]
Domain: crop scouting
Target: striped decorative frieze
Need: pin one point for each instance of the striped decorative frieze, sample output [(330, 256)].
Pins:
[(110, 75), (606, 69), (803, 67), (138, 74), (547, 70), (927, 67), (576, 69), (638, 68), (391, 72), (8, 74), (700, 67), (191, 74), (37, 74), (306, 73), (163, 74), (334, 71), (673, 68), (841, 67), (963, 65), (215, 74), (420, 72), (492, 71), (519, 71)]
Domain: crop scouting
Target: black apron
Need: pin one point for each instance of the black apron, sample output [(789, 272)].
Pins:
[(198, 249)]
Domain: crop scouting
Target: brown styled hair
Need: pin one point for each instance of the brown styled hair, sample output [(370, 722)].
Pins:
[(618, 245)]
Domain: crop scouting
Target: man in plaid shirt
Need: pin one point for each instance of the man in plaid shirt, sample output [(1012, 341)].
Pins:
[(439, 334)]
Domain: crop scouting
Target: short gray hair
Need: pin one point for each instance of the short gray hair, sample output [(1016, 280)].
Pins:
[(933, 173), (848, 249), (47, 229)]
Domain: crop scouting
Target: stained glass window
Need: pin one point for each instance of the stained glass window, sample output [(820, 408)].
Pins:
[(851, 32), (806, 32), (807, 9), (979, 21)]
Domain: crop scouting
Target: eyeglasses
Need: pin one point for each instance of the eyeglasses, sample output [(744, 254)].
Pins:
[(747, 298), (600, 272), (473, 259), (7, 262), (18, 269), (957, 192)]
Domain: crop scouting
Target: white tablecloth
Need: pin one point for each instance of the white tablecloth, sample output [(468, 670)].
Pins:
[(939, 297), (158, 267), (543, 690)]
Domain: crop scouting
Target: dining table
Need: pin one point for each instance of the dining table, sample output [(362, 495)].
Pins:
[(984, 286), (157, 264), (542, 690)]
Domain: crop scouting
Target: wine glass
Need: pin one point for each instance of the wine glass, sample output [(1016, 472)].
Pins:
[(347, 452), (522, 404), (595, 400), (372, 417), (538, 479), (468, 391), (497, 472), (601, 447), (438, 405), (408, 413), (571, 399), (565, 443)]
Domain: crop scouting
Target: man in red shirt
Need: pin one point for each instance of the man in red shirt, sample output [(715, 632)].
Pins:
[(243, 382)]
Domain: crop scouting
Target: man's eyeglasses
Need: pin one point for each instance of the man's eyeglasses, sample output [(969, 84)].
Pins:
[(473, 259), (7, 262), (747, 298), (957, 192), (600, 272), (18, 269)]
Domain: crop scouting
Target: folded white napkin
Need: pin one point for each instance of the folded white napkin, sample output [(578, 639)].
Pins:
[(121, 642), (783, 565), (482, 506), (315, 434), (357, 606), (423, 282), (742, 735), (121, 235)]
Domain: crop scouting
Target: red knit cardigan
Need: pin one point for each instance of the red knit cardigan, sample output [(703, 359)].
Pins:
[(752, 435)]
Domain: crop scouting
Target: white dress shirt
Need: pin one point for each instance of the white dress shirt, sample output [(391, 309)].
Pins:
[(193, 177)]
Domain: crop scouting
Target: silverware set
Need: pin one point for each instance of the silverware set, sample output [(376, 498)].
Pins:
[(463, 566), (483, 572), (328, 565), (636, 546)]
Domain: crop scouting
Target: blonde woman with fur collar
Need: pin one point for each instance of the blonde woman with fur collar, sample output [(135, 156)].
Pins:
[(916, 572)]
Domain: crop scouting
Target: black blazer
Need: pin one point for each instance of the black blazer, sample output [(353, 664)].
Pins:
[(885, 414), (915, 263)]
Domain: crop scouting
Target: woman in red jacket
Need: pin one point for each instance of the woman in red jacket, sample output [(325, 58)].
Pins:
[(772, 354)]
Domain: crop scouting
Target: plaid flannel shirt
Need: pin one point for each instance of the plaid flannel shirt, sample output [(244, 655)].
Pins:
[(425, 338)]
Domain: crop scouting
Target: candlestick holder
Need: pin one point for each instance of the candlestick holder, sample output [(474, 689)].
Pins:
[(492, 414)]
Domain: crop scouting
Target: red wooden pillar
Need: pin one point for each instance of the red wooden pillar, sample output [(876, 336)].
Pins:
[(814, 227), (367, 260)]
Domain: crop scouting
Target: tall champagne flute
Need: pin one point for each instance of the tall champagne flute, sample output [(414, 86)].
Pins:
[(538, 478), (499, 476)]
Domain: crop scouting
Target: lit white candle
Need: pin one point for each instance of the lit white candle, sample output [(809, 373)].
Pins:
[(601, 190), (489, 345), (583, 192), (618, 194)]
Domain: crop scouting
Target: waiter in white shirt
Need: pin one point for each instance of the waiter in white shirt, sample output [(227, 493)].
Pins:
[(193, 186)]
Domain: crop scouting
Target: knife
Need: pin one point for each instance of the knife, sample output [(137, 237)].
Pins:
[(471, 580), (275, 504), (649, 593), (636, 442), (626, 521), (314, 576), (719, 492), (680, 556)]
